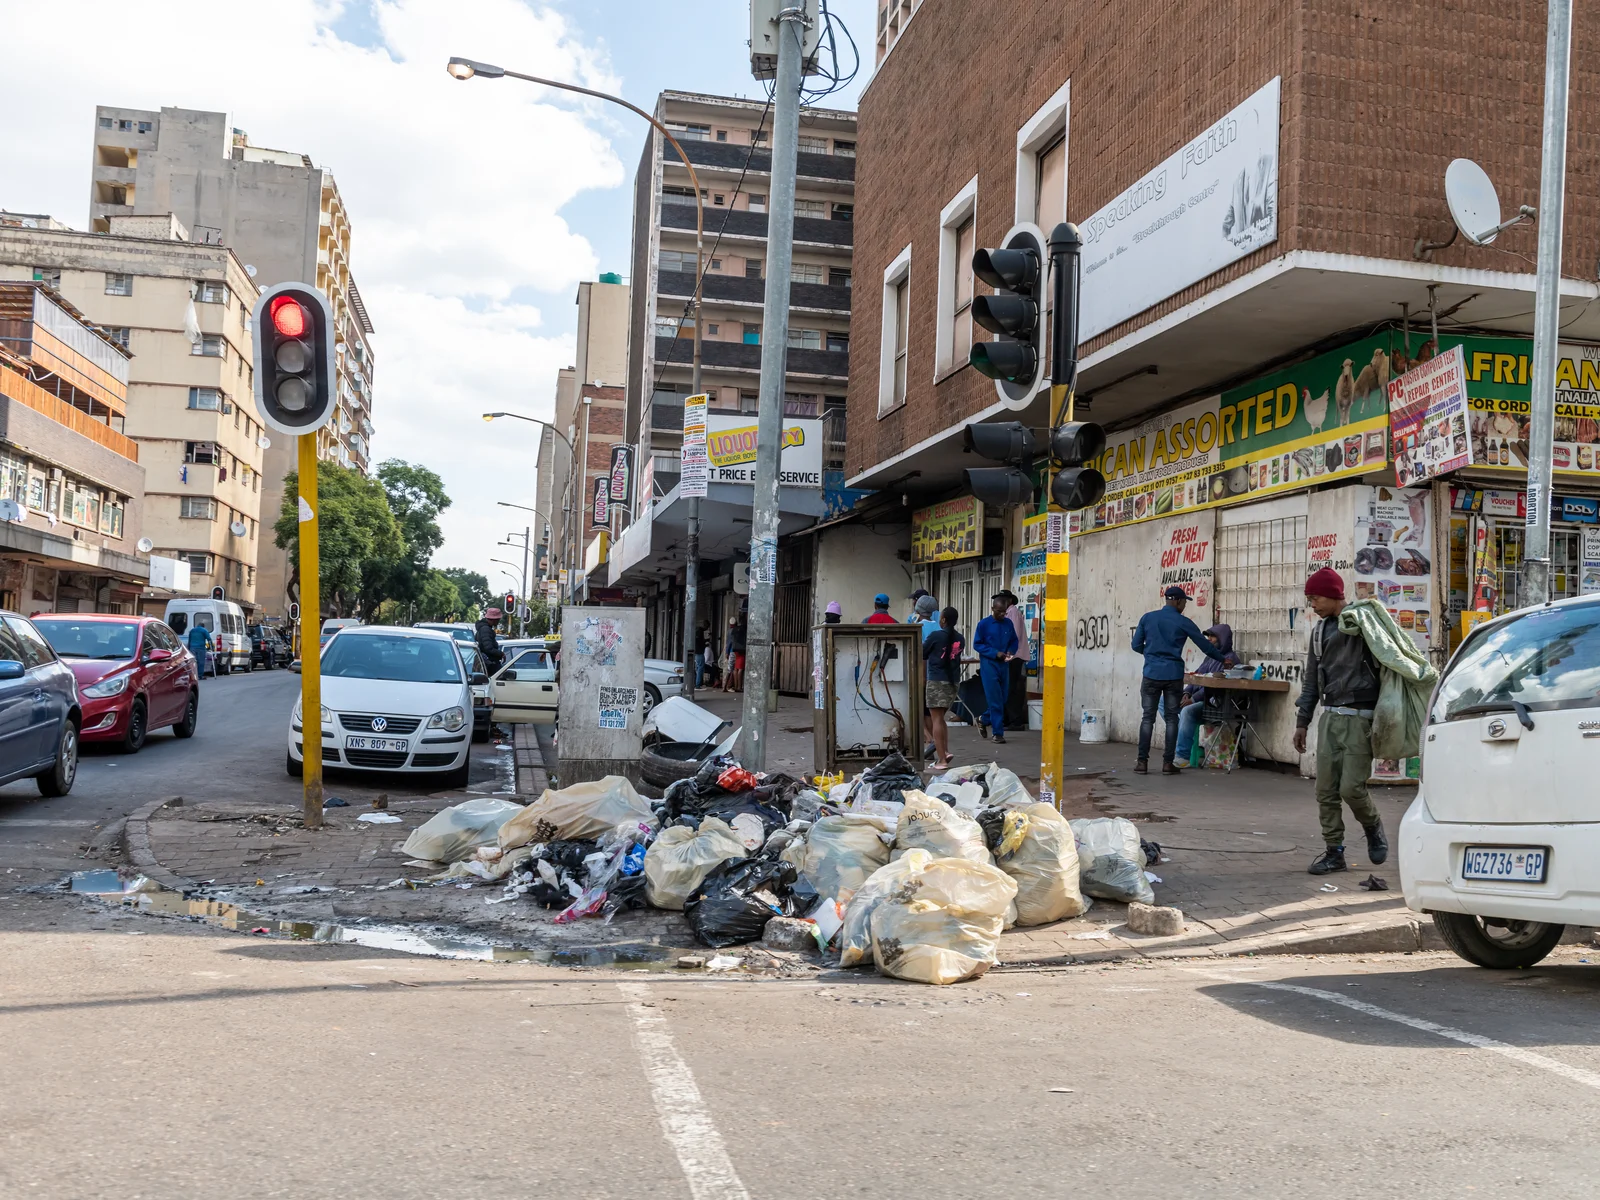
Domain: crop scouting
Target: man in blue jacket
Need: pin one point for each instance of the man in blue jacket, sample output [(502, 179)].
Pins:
[(995, 640), (1160, 637)]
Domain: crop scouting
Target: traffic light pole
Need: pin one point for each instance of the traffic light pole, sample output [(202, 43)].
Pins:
[(310, 635), (1064, 246), (774, 363)]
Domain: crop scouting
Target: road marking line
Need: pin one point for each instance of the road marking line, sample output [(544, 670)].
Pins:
[(685, 1121), (1517, 1053), (38, 823)]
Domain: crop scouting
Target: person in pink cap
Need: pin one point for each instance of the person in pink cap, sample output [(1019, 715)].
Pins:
[(488, 644), (834, 613)]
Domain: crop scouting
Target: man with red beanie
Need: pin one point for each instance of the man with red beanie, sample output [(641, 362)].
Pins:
[(1342, 675)]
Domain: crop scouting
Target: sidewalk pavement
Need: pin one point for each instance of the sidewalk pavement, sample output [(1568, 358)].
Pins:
[(1235, 848)]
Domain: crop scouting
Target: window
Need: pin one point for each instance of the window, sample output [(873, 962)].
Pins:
[(893, 338), (250, 573), (838, 342), (815, 209), (200, 564), (145, 126), (49, 276), (805, 273), (201, 452), (838, 276), (677, 195), (812, 145), (212, 293), (844, 212), (678, 260), (668, 327), (717, 198), (198, 508), (797, 404), (120, 334), (119, 285), (105, 122), (1042, 151), (111, 519), (805, 339), (712, 329), (957, 225), (752, 268), (1260, 573), (691, 133), (722, 135), (758, 138), (752, 334), (252, 531), (36, 492), (35, 650), (236, 416), (210, 345), (749, 402), (844, 149), (209, 399), (758, 203), (127, 126)]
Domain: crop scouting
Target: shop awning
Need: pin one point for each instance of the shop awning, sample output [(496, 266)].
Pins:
[(653, 546)]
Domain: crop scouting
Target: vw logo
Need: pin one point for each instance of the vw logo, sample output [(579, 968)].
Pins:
[(1497, 728), (379, 724)]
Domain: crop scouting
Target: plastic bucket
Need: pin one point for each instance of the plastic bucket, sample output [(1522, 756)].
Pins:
[(1092, 728), (1036, 715)]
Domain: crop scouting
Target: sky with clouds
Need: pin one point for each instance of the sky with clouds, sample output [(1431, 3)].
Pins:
[(475, 207)]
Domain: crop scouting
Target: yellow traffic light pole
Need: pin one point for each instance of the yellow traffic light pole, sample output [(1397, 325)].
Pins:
[(1053, 653), (310, 634)]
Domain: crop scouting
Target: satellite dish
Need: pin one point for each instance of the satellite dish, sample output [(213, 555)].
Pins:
[(1473, 204), (249, 270), (146, 545), (264, 442), (238, 529)]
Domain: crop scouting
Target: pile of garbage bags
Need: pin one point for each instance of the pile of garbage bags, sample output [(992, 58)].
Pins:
[(920, 879)]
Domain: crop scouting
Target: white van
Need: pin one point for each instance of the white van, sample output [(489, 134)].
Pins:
[(1502, 844), (223, 618)]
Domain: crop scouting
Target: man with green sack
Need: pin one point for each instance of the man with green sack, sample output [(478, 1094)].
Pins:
[(1373, 684)]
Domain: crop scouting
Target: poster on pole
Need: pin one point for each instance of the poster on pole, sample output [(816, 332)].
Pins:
[(600, 511), (621, 473), (696, 465), (1428, 420), (1591, 561)]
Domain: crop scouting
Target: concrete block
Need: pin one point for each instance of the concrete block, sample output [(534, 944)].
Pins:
[(790, 933), (1155, 920)]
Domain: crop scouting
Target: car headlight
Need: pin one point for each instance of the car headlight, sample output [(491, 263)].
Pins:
[(451, 719), (676, 677), (294, 718), (114, 686)]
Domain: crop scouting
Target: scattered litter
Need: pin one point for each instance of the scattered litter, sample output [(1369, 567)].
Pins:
[(1374, 883), (1091, 935), (456, 832), (722, 962), (381, 801), (736, 899), (260, 929), (691, 962), (335, 802), (426, 864), (1149, 878), (1063, 1091), (375, 818), (1024, 994), (1327, 887)]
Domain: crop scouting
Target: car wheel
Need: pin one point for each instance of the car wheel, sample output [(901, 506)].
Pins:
[(652, 697), (57, 780), (249, 666), (480, 735), (293, 765), (1498, 945), (191, 716), (138, 728), (459, 777), (667, 762)]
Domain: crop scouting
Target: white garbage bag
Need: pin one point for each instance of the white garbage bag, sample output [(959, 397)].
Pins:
[(840, 852), (456, 832), (930, 824), (680, 858), (1039, 852), (1110, 860), (584, 810), (855, 939), (942, 924), (998, 786)]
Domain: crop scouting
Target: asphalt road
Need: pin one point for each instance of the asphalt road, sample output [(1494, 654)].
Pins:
[(237, 753), (146, 1059)]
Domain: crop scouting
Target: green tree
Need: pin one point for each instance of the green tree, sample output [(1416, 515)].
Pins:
[(474, 589), (416, 498), (357, 535), (440, 599)]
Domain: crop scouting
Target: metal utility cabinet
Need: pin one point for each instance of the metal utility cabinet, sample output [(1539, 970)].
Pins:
[(866, 694)]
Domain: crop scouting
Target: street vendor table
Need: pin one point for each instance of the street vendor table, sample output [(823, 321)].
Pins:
[(1243, 707)]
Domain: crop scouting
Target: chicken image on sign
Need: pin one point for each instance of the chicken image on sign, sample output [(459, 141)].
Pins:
[(731, 448), (1428, 419)]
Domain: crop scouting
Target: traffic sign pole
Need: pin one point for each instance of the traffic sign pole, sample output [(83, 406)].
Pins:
[(310, 639)]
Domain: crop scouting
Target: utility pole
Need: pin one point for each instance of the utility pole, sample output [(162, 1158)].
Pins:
[(310, 635), (1547, 305), (522, 604), (774, 364)]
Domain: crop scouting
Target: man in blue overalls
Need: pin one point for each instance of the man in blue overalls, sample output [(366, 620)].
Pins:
[(995, 640)]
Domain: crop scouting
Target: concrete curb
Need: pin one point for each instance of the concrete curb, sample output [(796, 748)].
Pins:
[(136, 845)]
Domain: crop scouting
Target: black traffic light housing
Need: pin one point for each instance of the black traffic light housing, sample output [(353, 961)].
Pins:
[(1072, 445), (1014, 313), (294, 335), (1012, 443)]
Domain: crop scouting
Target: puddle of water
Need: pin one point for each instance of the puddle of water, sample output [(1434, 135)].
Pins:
[(141, 894)]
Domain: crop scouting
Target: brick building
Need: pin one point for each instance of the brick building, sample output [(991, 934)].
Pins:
[(1260, 191)]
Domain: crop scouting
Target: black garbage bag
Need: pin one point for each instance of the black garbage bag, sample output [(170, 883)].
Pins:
[(735, 901), (889, 778), (731, 807), (626, 891), (802, 899), (779, 791), (992, 821)]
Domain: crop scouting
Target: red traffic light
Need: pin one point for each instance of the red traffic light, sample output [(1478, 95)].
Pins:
[(288, 318)]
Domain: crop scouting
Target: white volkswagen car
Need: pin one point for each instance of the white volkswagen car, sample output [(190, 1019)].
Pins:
[(394, 700), (1502, 844)]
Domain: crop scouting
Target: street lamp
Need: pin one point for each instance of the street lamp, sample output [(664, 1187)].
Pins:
[(467, 68), (572, 466)]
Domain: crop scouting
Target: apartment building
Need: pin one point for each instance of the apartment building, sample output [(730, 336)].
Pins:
[(286, 220), (1266, 245), (727, 142), (71, 487), (181, 311)]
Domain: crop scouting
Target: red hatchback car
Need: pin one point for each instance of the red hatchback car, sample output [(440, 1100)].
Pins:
[(133, 675)]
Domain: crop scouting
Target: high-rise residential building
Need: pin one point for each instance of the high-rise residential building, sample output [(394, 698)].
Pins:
[(728, 143), (284, 218), (181, 312), (71, 486)]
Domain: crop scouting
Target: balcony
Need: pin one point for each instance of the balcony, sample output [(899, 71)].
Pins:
[(744, 223), (738, 356), (731, 157), (743, 290)]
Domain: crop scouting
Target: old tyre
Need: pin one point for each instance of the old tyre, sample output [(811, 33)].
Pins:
[(293, 765), (1498, 945), (191, 716), (57, 780), (667, 762), (138, 728), (651, 698)]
